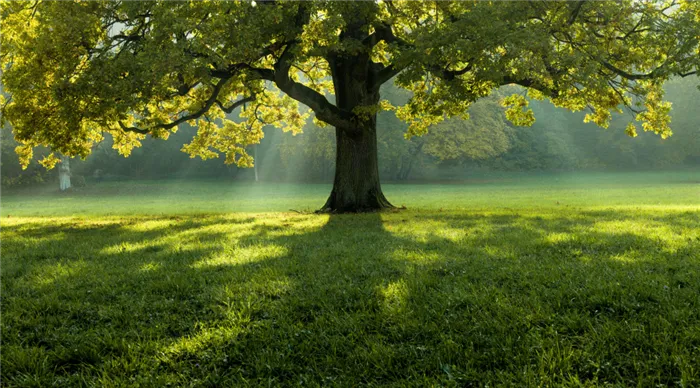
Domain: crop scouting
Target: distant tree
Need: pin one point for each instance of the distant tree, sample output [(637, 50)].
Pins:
[(398, 156), (574, 144), (546, 145), (314, 149), (75, 70), (64, 173), (684, 146), (484, 136), (11, 170)]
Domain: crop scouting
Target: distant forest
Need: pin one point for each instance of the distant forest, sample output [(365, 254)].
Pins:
[(558, 141)]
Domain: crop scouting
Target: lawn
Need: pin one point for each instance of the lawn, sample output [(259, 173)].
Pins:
[(567, 280)]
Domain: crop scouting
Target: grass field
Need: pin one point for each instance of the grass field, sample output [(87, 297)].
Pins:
[(568, 280), (664, 189)]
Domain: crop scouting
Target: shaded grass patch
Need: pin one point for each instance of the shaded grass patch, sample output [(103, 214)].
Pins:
[(519, 297)]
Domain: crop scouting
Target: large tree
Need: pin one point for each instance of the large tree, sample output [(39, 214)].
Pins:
[(75, 70)]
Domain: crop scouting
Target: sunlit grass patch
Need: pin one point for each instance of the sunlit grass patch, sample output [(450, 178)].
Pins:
[(518, 296), (646, 190), (242, 255)]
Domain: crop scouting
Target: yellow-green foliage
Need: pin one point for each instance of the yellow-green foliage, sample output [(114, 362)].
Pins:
[(483, 135), (76, 70)]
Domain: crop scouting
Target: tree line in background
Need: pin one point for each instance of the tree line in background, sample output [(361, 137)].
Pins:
[(558, 141)]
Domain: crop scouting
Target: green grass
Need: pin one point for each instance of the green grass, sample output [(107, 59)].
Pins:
[(500, 287), (676, 189)]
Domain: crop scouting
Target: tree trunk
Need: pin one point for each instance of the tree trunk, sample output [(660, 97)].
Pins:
[(411, 160), (64, 174), (407, 171), (255, 161), (356, 186)]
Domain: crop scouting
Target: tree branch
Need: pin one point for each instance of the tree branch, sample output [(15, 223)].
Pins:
[(385, 74), (233, 106), (213, 99), (371, 40), (575, 12), (323, 109), (652, 74), (530, 83), (622, 98), (449, 75), (383, 32)]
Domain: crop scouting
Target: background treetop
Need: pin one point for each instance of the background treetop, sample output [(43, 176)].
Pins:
[(74, 70)]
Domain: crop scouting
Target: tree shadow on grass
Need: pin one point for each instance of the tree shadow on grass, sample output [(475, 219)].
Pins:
[(400, 298)]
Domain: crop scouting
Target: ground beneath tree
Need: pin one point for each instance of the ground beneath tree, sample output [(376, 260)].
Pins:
[(514, 297)]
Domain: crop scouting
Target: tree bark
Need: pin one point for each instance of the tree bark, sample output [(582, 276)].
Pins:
[(64, 174), (255, 161), (356, 186)]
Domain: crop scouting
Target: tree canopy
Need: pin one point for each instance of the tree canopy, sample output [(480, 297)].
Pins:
[(75, 70)]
